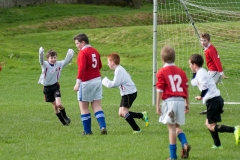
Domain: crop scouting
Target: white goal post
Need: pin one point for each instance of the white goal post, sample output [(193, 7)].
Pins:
[(179, 23)]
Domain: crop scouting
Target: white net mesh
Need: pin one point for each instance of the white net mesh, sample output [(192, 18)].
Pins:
[(180, 22)]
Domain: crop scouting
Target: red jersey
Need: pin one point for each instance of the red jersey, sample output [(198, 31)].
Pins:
[(213, 59), (89, 64), (172, 81)]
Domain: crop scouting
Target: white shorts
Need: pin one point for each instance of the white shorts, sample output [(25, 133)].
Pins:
[(216, 76), (173, 111), (90, 90)]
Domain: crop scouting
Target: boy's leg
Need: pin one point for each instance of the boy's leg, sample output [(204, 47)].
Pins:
[(132, 122), (143, 116), (85, 117), (60, 117), (100, 116), (182, 138), (172, 141), (216, 139), (66, 118)]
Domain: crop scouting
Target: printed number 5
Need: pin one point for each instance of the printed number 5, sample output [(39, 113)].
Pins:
[(94, 60), (178, 79)]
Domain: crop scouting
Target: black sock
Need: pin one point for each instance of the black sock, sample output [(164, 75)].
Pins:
[(63, 112), (215, 138), (59, 115), (132, 122), (222, 128), (136, 115)]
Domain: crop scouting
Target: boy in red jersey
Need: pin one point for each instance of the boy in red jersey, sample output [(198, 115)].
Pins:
[(172, 89), (89, 84), (213, 61)]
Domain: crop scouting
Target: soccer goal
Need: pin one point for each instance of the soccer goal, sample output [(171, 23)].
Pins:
[(179, 23)]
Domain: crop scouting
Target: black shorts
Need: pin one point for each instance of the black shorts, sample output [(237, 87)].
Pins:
[(51, 92), (127, 100), (214, 109)]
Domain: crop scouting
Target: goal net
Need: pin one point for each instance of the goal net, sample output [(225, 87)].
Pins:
[(181, 22)]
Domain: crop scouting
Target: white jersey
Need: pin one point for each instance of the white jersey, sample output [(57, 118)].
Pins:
[(122, 80), (204, 81), (51, 74)]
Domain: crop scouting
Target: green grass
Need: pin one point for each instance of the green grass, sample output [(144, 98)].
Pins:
[(29, 128)]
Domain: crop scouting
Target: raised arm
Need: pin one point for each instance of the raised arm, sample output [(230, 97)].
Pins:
[(41, 54), (68, 57)]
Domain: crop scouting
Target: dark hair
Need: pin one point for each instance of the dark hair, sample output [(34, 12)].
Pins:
[(81, 37), (51, 53), (206, 36), (168, 54), (197, 59), (114, 57)]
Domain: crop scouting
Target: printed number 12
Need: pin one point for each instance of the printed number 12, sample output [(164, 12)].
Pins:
[(178, 79)]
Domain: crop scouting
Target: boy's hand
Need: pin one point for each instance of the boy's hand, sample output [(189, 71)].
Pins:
[(186, 108), (41, 50), (105, 81), (198, 98), (224, 77), (71, 52)]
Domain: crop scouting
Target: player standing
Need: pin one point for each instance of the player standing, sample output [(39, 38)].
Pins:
[(89, 84), (213, 61), (172, 89)]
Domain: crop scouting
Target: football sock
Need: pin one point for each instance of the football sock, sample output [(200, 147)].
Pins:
[(136, 115), (86, 121), (101, 119), (215, 138), (182, 138), (173, 150), (60, 117), (63, 112), (223, 128), (132, 122)]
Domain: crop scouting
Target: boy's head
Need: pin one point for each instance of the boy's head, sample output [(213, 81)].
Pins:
[(205, 39), (113, 60), (81, 40), (195, 62), (167, 54), (51, 56)]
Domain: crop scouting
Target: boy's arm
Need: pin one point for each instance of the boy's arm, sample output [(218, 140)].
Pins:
[(118, 76), (41, 54), (193, 81), (158, 102), (68, 57)]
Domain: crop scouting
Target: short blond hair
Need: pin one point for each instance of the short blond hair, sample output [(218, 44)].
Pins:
[(168, 54)]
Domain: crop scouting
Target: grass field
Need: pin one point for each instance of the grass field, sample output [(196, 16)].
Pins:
[(29, 128)]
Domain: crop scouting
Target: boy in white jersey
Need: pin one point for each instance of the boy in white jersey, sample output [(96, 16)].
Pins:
[(51, 70), (210, 96), (128, 92), (172, 90)]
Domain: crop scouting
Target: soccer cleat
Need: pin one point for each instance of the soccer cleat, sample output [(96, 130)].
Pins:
[(103, 131), (171, 158), (217, 147), (137, 132), (84, 133), (145, 118), (203, 112), (67, 120), (185, 151), (237, 134)]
